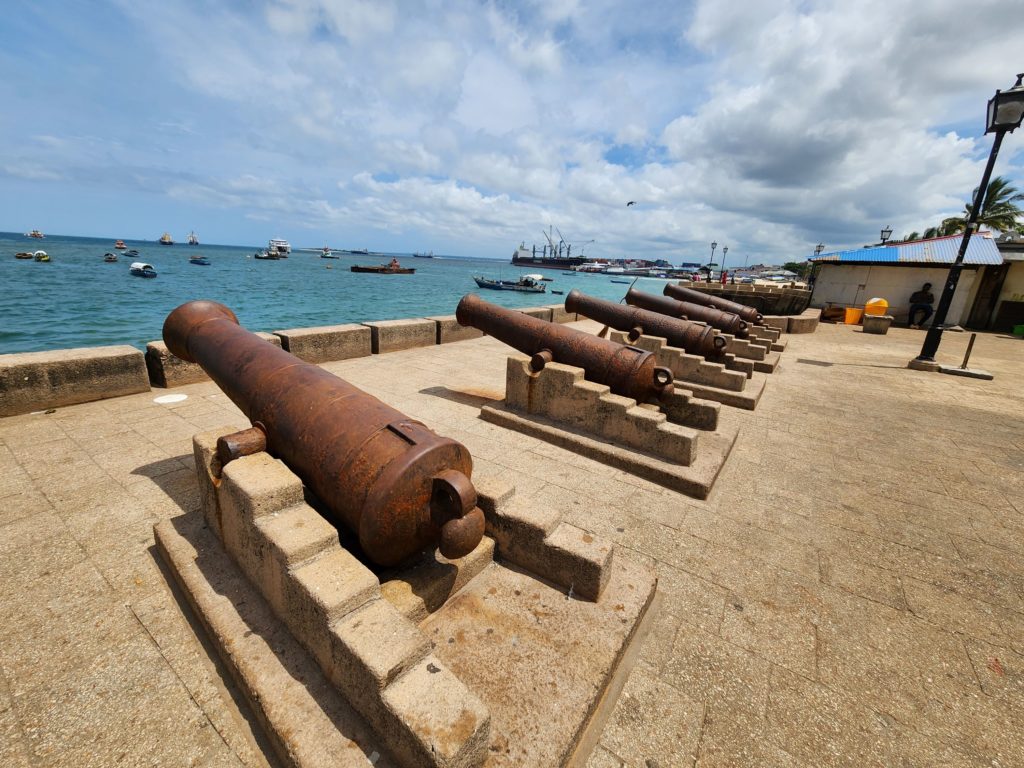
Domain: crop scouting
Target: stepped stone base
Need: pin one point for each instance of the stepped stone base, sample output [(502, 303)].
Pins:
[(343, 666), (769, 364)]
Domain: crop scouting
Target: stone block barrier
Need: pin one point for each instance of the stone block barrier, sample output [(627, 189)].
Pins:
[(449, 330), (327, 343), (396, 335), (167, 370)]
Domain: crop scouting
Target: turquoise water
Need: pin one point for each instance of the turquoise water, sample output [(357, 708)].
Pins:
[(76, 300)]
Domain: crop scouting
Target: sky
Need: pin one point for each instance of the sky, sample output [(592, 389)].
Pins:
[(465, 128)]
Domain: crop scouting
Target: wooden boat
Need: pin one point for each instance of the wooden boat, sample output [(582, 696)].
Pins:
[(201, 261), (109, 258), (165, 239), (132, 252), (266, 255), (391, 268), (41, 256), (192, 239), (119, 245), (141, 269), (36, 234), (23, 255), (524, 284)]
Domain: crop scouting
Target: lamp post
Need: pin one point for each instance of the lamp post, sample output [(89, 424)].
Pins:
[(1005, 112), (886, 234), (725, 250), (810, 271)]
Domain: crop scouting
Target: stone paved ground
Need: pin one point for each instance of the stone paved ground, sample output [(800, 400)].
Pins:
[(852, 593)]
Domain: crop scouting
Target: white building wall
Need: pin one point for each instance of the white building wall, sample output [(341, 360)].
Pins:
[(1013, 286), (854, 284)]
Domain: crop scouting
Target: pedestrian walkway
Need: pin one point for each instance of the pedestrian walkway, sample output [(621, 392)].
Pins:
[(851, 593)]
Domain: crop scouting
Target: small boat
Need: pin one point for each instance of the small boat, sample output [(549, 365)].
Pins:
[(266, 256), (141, 269), (201, 261), (391, 268), (525, 284), (119, 244), (132, 252), (165, 239), (325, 253), (539, 278), (36, 234), (41, 256), (192, 239), (109, 258), (627, 282), (23, 255), (558, 293)]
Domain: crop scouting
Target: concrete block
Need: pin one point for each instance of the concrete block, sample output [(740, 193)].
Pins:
[(396, 335), (326, 343), (578, 559), (776, 321), (260, 485), (768, 364), (443, 723), (34, 381), (448, 330), (543, 313), (167, 370), (806, 322), (559, 315), (370, 648), (297, 534)]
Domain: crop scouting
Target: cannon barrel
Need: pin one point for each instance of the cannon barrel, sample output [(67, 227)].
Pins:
[(693, 337), (398, 485), (626, 370), (682, 293), (716, 318)]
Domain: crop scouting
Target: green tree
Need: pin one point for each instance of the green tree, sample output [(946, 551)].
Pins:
[(911, 237), (1000, 210), (799, 267)]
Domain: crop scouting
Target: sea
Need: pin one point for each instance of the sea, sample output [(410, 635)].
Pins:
[(78, 300)]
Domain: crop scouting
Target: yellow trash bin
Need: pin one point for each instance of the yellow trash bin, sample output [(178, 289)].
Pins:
[(876, 307), (853, 315)]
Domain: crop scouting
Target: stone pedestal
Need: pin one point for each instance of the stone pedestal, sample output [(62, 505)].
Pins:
[(877, 324)]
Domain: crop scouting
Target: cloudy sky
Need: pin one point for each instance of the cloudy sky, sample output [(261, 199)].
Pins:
[(467, 127)]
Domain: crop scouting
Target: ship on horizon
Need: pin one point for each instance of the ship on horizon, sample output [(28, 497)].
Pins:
[(552, 254)]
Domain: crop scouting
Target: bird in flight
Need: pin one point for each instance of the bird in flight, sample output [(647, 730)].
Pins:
[(631, 202)]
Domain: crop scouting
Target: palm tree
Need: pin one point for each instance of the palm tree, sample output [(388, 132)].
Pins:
[(1000, 210)]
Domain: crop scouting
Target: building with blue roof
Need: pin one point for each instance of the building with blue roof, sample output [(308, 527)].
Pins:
[(894, 271)]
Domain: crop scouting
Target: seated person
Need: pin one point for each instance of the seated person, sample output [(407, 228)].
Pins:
[(921, 302)]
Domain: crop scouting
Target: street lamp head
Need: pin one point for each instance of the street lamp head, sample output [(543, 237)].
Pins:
[(886, 234), (714, 245), (1006, 109), (818, 249), (725, 249)]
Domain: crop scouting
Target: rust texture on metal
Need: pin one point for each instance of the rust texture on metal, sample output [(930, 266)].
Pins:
[(695, 338), (626, 370), (682, 293), (716, 318), (399, 486)]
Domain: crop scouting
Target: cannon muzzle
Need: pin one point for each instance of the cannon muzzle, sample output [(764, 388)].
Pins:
[(716, 318), (626, 370), (682, 293), (398, 485), (693, 337)]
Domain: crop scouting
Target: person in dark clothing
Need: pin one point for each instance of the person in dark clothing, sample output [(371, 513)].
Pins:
[(921, 302)]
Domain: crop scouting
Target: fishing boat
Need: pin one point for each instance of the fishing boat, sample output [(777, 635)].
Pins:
[(132, 252), (627, 282), (23, 255), (266, 256), (119, 245), (41, 256), (165, 239), (141, 269), (525, 284), (36, 234), (326, 254), (201, 261), (283, 247), (192, 239), (391, 268), (109, 258)]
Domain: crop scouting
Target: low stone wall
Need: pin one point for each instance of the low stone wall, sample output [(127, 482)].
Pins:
[(559, 315), (167, 370), (33, 381), (449, 330), (804, 323), (396, 335), (542, 313), (327, 343)]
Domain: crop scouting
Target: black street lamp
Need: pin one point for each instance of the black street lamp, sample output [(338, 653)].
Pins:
[(818, 249), (1005, 112), (886, 234), (711, 261), (725, 250)]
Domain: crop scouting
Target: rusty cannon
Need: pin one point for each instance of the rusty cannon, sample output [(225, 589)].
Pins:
[(395, 483), (626, 370), (716, 318), (695, 338), (682, 293)]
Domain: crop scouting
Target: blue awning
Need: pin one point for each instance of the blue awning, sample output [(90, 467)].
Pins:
[(981, 250)]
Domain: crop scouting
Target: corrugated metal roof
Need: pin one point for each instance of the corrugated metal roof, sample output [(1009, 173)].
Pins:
[(940, 250)]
